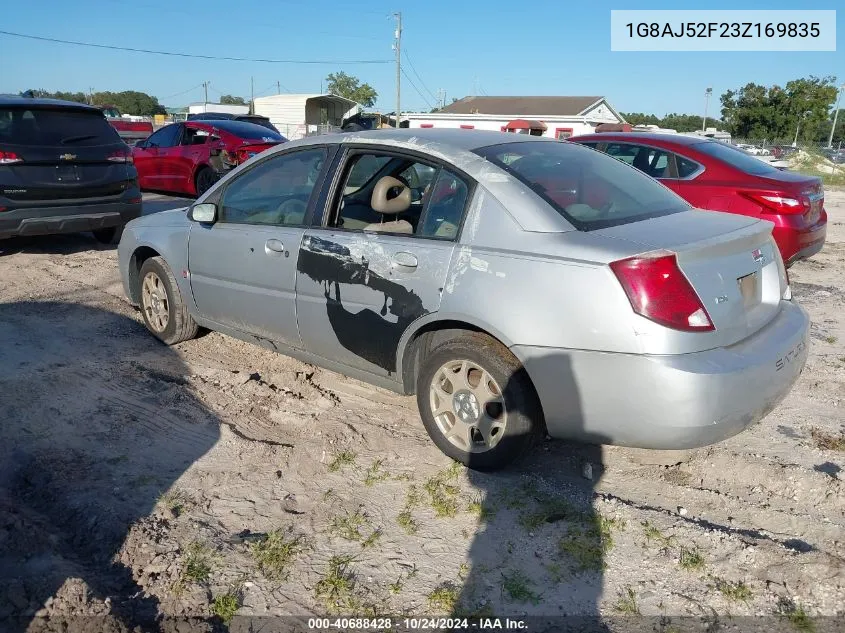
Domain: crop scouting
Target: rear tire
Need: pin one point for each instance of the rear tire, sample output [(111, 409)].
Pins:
[(110, 235), (477, 402), (204, 179), (164, 311)]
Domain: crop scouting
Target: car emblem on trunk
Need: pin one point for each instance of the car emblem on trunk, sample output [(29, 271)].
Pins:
[(757, 254), (67, 156)]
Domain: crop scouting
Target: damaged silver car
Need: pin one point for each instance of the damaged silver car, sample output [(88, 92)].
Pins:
[(517, 285)]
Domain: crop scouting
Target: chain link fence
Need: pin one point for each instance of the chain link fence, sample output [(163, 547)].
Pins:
[(813, 158)]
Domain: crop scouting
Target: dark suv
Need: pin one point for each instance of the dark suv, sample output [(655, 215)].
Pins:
[(63, 169), (263, 121)]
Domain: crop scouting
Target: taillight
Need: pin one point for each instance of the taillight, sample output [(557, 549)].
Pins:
[(9, 158), (121, 156), (779, 202), (659, 291)]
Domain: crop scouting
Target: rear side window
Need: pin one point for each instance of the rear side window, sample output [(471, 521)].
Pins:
[(56, 126), (686, 167), (735, 158), (650, 160), (249, 131), (589, 189)]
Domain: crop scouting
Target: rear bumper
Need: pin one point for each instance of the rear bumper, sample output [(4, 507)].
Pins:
[(797, 241), (67, 218), (669, 402)]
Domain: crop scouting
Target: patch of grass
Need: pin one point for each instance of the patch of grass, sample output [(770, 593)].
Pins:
[(549, 511), (736, 591), (349, 526), (627, 602), (396, 587), (328, 494), (443, 495), (336, 588), (463, 571), (371, 540), (175, 501), (225, 606), (341, 459), (485, 511), (444, 597), (796, 615), (691, 559), (827, 441), (556, 572), (653, 534), (518, 588), (199, 562), (403, 477), (406, 521), (275, 553), (375, 474), (588, 543), (830, 339)]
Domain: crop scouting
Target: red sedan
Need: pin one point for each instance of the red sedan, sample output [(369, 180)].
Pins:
[(714, 175), (189, 157)]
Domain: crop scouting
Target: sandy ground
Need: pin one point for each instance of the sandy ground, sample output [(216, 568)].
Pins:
[(138, 480)]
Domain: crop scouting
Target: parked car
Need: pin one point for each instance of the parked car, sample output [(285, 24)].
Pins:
[(130, 131), (834, 155), (713, 175), (63, 169), (516, 284), (257, 119), (189, 157), (783, 151)]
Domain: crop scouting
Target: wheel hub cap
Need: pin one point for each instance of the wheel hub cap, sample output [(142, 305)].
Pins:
[(466, 407), (154, 300)]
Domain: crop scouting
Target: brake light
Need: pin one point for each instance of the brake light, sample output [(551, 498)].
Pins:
[(121, 156), (779, 202), (9, 158), (658, 290)]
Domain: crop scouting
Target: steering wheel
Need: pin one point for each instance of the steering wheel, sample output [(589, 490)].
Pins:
[(294, 205)]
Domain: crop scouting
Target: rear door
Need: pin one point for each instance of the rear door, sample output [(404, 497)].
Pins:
[(59, 156), (193, 150), (364, 277)]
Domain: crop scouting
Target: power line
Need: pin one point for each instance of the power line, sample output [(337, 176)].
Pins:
[(179, 94), (418, 75), (411, 81), (197, 56)]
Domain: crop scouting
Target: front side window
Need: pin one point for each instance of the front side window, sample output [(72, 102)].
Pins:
[(168, 136), (274, 192), (589, 189)]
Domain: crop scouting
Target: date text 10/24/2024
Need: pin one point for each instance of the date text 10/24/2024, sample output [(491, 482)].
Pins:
[(416, 624)]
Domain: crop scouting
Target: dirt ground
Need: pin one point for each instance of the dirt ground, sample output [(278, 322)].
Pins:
[(217, 478)]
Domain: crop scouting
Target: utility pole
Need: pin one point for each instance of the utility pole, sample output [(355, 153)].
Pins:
[(441, 99), (205, 85), (835, 116), (252, 95), (279, 87), (707, 94), (90, 95), (397, 45)]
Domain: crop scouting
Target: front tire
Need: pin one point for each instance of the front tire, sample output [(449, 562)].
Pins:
[(164, 311), (477, 402)]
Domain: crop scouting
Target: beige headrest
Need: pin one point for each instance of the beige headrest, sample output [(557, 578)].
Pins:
[(390, 206)]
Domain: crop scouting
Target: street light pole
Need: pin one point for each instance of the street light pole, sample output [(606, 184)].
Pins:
[(707, 94), (835, 116)]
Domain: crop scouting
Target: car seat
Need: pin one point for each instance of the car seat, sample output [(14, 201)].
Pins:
[(390, 197)]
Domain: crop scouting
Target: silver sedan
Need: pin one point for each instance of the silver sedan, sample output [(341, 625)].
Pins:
[(517, 285)]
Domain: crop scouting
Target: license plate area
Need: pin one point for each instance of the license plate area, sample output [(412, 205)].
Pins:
[(749, 288), (67, 173)]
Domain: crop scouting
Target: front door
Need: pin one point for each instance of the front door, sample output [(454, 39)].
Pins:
[(243, 267), (380, 261), (151, 158)]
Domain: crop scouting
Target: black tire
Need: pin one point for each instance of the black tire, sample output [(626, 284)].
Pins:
[(180, 325), (524, 421), (110, 235), (204, 179)]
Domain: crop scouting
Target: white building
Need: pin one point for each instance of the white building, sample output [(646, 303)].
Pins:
[(200, 108), (556, 117), (301, 115)]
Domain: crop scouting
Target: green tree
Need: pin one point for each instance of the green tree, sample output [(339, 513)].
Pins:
[(232, 100), (350, 87), (679, 122), (130, 102), (78, 97)]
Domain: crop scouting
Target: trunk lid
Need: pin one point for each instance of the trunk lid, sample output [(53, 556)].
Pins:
[(731, 261)]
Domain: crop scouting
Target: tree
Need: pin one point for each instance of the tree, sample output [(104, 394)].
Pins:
[(130, 102), (679, 122), (232, 100), (350, 87), (78, 97)]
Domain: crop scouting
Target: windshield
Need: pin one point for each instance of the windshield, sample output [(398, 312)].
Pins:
[(55, 126), (590, 189), (735, 157)]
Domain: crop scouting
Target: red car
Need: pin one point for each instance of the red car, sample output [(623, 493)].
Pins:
[(714, 175), (190, 157)]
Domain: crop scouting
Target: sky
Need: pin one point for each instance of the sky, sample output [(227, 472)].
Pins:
[(464, 47)]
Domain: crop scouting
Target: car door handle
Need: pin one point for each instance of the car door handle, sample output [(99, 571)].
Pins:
[(274, 247), (404, 260)]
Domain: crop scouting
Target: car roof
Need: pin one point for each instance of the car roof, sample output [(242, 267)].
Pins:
[(677, 139), (232, 126), (14, 100)]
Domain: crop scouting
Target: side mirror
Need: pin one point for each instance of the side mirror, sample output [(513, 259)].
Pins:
[(205, 213)]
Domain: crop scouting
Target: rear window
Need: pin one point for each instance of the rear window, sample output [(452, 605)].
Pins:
[(590, 189), (249, 131), (41, 126), (736, 158)]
